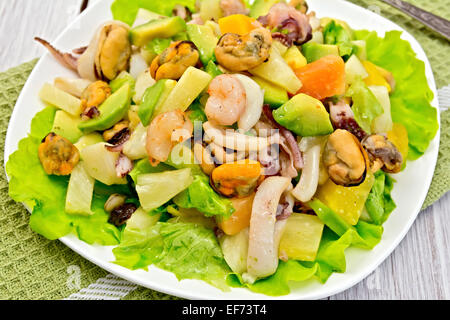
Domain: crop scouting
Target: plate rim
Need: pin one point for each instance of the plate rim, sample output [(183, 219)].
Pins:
[(179, 292)]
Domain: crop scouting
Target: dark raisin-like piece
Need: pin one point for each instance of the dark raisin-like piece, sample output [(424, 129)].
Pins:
[(121, 214)]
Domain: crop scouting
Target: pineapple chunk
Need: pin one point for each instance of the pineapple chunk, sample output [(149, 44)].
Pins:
[(155, 189), (88, 140), (382, 123), (188, 88), (347, 202), (354, 70), (301, 238), (80, 191), (101, 164), (142, 220), (61, 99), (134, 148), (295, 58), (235, 250), (277, 71)]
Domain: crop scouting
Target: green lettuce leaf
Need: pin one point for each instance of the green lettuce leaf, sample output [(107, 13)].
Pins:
[(188, 250), (410, 101), (197, 113), (337, 35), (364, 235), (45, 195), (379, 203), (365, 105), (202, 197), (126, 10)]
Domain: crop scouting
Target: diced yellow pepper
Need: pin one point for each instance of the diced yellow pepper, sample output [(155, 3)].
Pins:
[(348, 202), (301, 238), (238, 23), (399, 137), (375, 77), (295, 58)]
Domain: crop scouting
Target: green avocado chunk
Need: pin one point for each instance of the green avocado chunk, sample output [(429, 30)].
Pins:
[(305, 116), (66, 125), (150, 100), (274, 95), (204, 39), (111, 111), (314, 51), (261, 8), (160, 28)]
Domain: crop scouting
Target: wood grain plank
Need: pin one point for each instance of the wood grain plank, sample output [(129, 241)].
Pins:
[(22, 20), (418, 269)]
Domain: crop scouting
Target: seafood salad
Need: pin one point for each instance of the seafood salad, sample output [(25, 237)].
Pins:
[(245, 145)]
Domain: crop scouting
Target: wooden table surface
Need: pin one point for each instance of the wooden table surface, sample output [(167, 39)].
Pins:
[(419, 268)]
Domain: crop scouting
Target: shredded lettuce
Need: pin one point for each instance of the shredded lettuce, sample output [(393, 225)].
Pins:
[(188, 250), (45, 195), (126, 10), (410, 101), (365, 105), (379, 203)]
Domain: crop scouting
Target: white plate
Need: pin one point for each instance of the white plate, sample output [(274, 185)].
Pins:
[(409, 191)]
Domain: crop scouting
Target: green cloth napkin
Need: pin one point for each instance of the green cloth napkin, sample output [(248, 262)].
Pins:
[(32, 267)]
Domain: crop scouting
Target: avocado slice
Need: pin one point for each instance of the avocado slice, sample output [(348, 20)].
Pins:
[(160, 28), (111, 111), (261, 8), (66, 125), (149, 101), (204, 39), (314, 51), (212, 69), (120, 80), (274, 95), (305, 116)]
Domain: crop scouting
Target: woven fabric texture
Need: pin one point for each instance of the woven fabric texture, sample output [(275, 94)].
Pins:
[(32, 267)]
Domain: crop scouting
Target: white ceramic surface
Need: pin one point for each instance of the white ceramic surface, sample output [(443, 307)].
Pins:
[(409, 191)]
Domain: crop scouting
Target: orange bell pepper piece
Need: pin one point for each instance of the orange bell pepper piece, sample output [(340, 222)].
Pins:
[(238, 23), (323, 78), (240, 218)]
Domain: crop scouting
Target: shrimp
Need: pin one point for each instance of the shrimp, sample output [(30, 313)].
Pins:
[(227, 101), (165, 131)]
